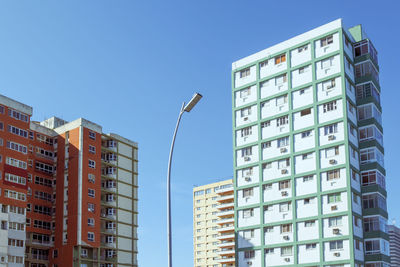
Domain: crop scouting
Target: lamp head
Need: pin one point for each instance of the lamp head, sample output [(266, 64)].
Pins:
[(195, 99)]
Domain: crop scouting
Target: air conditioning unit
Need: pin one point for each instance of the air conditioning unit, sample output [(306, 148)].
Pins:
[(287, 259), (331, 137), (334, 207), (335, 231), (247, 179), (330, 87), (332, 161), (283, 171), (286, 237), (283, 149), (249, 263), (247, 158), (245, 118), (336, 254), (284, 193)]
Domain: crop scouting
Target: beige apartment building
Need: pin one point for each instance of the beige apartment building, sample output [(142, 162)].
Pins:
[(213, 225)]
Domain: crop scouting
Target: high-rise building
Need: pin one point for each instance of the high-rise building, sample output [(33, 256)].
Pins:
[(213, 225), (394, 235), (309, 173), (68, 192)]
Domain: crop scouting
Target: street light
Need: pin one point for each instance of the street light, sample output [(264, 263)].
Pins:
[(195, 99)]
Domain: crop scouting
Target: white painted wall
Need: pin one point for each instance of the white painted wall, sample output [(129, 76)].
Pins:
[(247, 176), (274, 236), (305, 164), (243, 139), (246, 159), (273, 193), (328, 208), (302, 97), (307, 233), (329, 88), (304, 142), (243, 262), (300, 55), (331, 137), (273, 129), (301, 76), (275, 259), (271, 68), (332, 114), (322, 51), (307, 207), (253, 220), (327, 67), (341, 182), (274, 106), (306, 186), (329, 255), (245, 240), (273, 86), (273, 214), (245, 80), (350, 91), (328, 231), (275, 170), (274, 151), (248, 200), (302, 121), (328, 159), (246, 115), (245, 96), (308, 255)]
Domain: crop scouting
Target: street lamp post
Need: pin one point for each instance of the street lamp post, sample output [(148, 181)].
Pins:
[(195, 99)]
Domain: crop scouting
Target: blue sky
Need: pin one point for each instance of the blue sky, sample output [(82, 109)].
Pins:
[(128, 65)]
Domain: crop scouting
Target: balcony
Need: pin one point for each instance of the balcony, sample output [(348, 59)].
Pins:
[(224, 213), (226, 228), (226, 189), (226, 236), (225, 260), (226, 220), (226, 205), (226, 244), (223, 198), (226, 252)]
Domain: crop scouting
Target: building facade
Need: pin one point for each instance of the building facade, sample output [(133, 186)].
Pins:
[(213, 225), (309, 173), (68, 192), (394, 234)]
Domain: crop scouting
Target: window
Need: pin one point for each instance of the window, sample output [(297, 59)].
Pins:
[(373, 177), (305, 134), (284, 185), (331, 175), (248, 192), (330, 106), (17, 147), (372, 247), (208, 190), (17, 131), (264, 64), (247, 151), (248, 213), (44, 153), (284, 207), (266, 144), (327, 63), (334, 198), (249, 254), (311, 246), (244, 73), (14, 178), (331, 129), (309, 223), (280, 59), (284, 141), (91, 207), (246, 131), (331, 152), (286, 251), (307, 156), (303, 70), (199, 193), (279, 80), (91, 178), (43, 167), (281, 100), (17, 115), (92, 149), (267, 186), (244, 93), (14, 195), (92, 164), (308, 178), (245, 112), (286, 228), (302, 48), (248, 234), (326, 40), (269, 251), (336, 245), (90, 236), (282, 121), (92, 135), (265, 124), (91, 192), (90, 221), (283, 163), (16, 163)]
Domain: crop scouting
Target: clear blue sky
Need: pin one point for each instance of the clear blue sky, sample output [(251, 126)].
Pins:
[(128, 65)]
